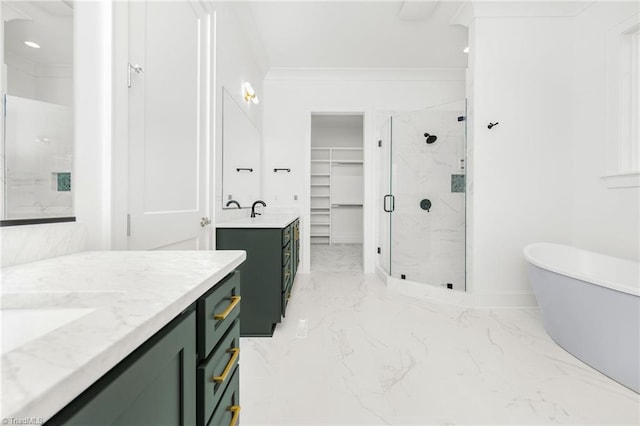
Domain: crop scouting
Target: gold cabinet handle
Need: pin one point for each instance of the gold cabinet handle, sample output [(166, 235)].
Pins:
[(227, 369), (234, 301), (235, 409), (288, 297)]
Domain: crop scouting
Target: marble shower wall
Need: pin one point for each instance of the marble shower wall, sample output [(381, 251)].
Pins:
[(429, 246), (39, 159)]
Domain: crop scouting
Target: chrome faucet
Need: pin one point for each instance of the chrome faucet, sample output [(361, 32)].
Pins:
[(233, 202), (253, 207)]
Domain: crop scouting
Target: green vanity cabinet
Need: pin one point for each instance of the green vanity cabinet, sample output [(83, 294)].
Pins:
[(267, 274), (184, 375), (155, 385)]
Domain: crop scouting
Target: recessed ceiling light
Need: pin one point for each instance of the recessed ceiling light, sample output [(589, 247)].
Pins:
[(32, 44), (466, 49)]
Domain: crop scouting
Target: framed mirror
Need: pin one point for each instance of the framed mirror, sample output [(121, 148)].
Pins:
[(241, 156), (37, 94)]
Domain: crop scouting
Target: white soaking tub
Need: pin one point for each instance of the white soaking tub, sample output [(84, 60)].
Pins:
[(590, 306)]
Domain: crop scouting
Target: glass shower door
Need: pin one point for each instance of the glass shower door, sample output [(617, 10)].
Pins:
[(384, 197), (427, 179)]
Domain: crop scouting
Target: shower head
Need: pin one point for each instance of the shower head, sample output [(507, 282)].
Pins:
[(430, 138)]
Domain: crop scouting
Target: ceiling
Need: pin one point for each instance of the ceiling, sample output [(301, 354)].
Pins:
[(48, 23), (359, 34), (292, 34)]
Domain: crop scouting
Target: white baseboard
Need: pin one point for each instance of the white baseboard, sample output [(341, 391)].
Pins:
[(381, 274)]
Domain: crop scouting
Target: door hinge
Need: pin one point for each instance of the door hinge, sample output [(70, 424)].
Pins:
[(378, 250), (379, 143), (128, 225)]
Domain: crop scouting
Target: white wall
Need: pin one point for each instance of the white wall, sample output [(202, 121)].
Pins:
[(336, 131), (292, 95), (537, 175), (52, 84), (520, 171), (92, 105), (55, 84), (20, 82), (603, 219)]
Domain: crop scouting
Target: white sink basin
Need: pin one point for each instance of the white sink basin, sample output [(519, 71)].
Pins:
[(20, 326)]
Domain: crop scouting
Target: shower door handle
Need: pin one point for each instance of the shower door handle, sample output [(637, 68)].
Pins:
[(392, 204)]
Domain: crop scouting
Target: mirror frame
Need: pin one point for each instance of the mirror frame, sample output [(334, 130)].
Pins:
[(38, 221)]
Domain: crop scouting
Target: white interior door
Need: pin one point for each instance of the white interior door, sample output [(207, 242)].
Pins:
[(169, 137)]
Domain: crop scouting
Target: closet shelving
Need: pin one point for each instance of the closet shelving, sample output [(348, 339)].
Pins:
[(336, 189)]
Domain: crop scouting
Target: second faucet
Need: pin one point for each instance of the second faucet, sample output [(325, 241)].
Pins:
[(253, 207)]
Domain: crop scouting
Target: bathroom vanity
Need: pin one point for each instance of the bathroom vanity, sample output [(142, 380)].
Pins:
[(103, 337), (272, 243)]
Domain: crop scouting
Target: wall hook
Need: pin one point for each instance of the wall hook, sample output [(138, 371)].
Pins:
[(277, 170), (492, 124)]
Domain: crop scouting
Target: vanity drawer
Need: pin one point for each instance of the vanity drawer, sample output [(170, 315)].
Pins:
[(216, 372), (216, 311), (286, 296), (286, 235), (286, 274), (286, 253), (228, 411)]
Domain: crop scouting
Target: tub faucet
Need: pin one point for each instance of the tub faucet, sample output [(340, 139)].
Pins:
[(253, 207), (233, 202)]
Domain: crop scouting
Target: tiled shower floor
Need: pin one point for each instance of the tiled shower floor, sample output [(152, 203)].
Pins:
[(350, 352)]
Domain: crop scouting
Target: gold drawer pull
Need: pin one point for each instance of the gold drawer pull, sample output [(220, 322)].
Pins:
[(235, 409), (288, 297), (227, 369), (234, 301)]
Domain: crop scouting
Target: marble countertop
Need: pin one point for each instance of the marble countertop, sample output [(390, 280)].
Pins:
[(264, 221), (122, 299)]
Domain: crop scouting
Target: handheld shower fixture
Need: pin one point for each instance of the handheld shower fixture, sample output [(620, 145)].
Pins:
[(430, 138)]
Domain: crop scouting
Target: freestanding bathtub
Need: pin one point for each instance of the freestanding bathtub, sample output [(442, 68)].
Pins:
[(590, 306)]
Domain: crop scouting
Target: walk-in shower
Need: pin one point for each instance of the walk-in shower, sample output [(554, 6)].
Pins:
[(422, 196)]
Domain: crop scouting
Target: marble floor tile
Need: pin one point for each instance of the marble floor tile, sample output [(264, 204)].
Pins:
[(336, 257), (352, 352)]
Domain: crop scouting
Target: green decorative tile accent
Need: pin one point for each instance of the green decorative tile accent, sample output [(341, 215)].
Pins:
[(458, 183), (64, 181)]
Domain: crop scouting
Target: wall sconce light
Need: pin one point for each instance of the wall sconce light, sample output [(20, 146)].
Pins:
[(249, 93)]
